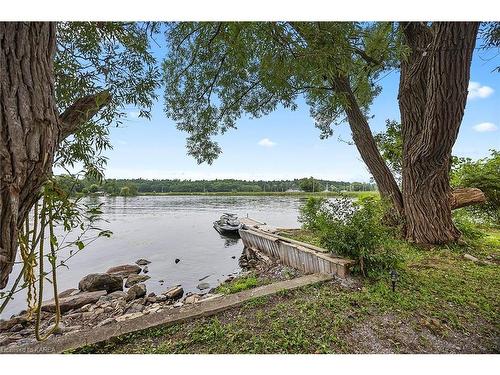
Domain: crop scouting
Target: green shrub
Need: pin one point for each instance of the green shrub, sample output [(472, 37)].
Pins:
[(310, 213), (352, 229), (485, 175), (466, 225)]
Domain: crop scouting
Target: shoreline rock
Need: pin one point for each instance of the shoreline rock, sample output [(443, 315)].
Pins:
[(73, 302), (174, 293), (88, 309), (135, 279), (124, 270), (68, 292), (203, 286), (136, 291), (101, 281), (142, 262)]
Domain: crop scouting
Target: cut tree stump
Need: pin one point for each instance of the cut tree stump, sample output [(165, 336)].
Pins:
[(466, 197)]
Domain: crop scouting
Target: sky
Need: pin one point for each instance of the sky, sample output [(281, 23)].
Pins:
[(286, 144)]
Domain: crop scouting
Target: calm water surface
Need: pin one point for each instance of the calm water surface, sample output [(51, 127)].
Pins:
[(163, 228)]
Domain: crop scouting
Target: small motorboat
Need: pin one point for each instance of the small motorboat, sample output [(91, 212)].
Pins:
[(228, 224)]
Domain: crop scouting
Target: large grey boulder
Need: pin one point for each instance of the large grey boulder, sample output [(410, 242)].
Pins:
[(135, 279), (124, 270), (73, 301), (101, 281), (136, 291)]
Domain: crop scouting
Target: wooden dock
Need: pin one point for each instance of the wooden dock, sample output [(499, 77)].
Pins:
[(255, 224), (300, 255)]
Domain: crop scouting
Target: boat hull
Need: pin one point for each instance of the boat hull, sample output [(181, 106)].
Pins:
[(227, 231)]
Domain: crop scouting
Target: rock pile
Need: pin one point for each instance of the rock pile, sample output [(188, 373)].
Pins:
[(98, 301), (100, 298)]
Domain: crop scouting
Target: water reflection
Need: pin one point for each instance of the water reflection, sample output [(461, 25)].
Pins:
[(230, 240)]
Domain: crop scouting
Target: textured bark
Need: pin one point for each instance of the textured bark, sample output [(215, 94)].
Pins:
[(361, 133), (30, 127), (81, 111), (432, 97), (466, 197), (367, 147)]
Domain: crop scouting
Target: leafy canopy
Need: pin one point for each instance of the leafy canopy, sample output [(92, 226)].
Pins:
[(93, 57), (390, 144), (485, 175), (310, 184), (217, 72)]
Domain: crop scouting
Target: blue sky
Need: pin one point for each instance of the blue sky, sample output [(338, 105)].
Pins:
[(286, 145)]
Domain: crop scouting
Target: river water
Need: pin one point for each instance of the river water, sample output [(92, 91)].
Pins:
[(163, 228)]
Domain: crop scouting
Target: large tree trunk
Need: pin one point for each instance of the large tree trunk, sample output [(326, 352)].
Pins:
[(432, 97), (433, 94), (367, 147), (30, 127), (362, 135)]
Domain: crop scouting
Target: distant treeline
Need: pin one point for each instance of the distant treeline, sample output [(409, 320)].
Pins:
[(137, 186)]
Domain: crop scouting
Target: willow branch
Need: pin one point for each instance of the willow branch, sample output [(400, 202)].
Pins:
[(81, 111)]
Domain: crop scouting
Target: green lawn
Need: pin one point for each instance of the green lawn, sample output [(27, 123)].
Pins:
[(443, 303)]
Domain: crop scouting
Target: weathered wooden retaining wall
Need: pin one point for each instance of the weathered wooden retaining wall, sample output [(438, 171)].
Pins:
[(296, 254)]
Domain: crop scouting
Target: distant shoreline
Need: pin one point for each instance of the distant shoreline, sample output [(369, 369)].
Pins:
[(355, 194)]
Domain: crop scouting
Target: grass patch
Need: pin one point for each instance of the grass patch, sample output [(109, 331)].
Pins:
[(443, 303), (241, 283)]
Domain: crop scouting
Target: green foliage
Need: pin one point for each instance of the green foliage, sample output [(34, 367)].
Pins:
[(390, 145), (435, 285), (95, 56), (75, 185), (93, 188), (489, 33), (466, 224), (79, 225), (311, 213), (239, 284), (352, 229), (216, 73), (310, 185), (485, 175), (128, 191)]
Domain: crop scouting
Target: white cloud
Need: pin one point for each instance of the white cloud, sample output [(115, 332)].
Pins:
[(134, 114), (476, 90), (485, 127), (266, 142)]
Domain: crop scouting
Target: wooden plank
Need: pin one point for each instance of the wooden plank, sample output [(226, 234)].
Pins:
[(300, 255)]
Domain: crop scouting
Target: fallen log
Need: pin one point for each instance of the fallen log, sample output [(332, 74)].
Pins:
[(464, 197)]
